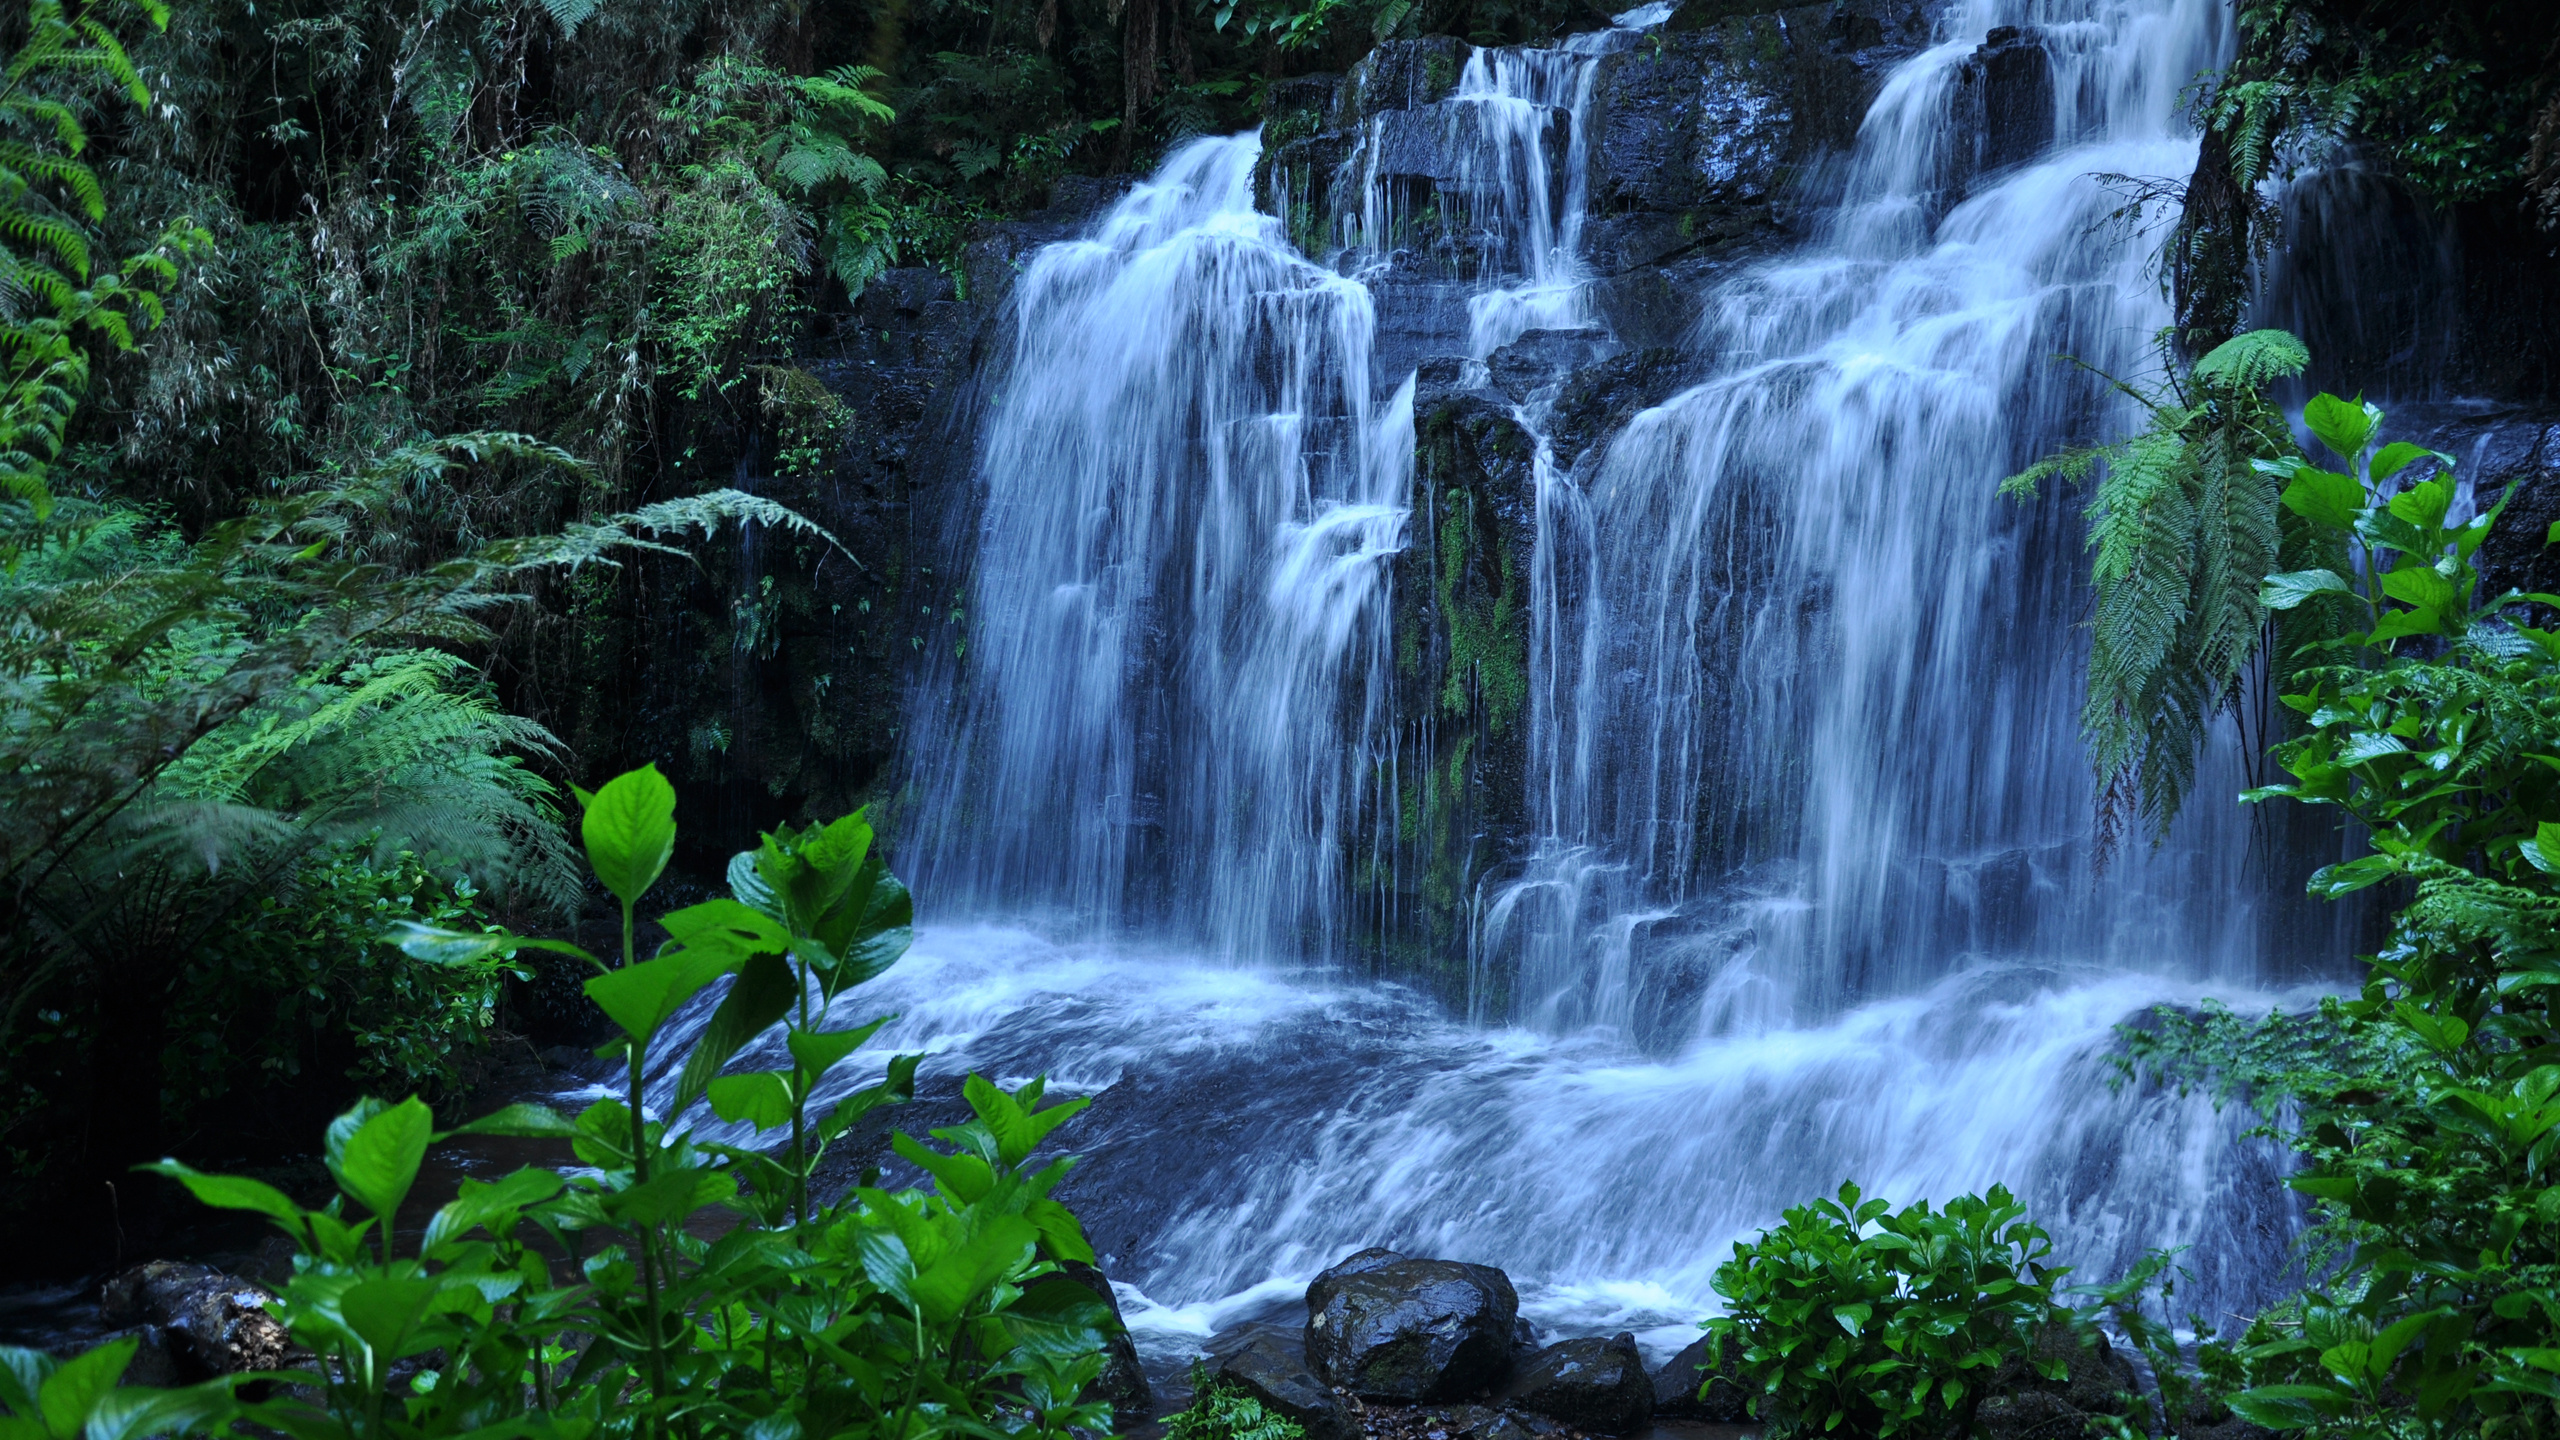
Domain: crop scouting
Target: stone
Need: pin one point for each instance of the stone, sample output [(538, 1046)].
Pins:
[(1401, 75), (1123, 1381), (1273, 1371), (211, 1323), (1412, 1330), (1591, 1385), (1677, 1387), (2029, 1415), (1597, 400), (2004, 102), (156, 1363), (1520, 368), (1520, 1425)]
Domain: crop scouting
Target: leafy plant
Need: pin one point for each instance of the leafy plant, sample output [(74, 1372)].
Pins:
[(2184, 529), (692, 1300), (1222, 1412), (1854, 1317)]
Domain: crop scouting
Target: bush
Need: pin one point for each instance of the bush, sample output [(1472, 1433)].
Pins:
[(1852, 1317), (670, 1286), (1222, 1412)]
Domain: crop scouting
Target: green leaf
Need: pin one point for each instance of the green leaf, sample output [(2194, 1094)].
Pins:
[(671, 1196), (820, 1051), (727, 922), (2400, 624), (2542, 852), (630, 831), (965, 1178), (2324, 497), (477, 1203), (761, 1099), (74, 1389), (2287, 1407), (963, 1277), (2425, 504), (524, 1120), (378, 1161), (2286, 590), (2396, 456), (383, 1311), (232, 1192), (2421, 586), (642, 998), (2342, 425), (1853, 1318), (765, 991)]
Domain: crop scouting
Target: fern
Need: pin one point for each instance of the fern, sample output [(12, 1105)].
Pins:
[(1222, 1412), (2183, 532)]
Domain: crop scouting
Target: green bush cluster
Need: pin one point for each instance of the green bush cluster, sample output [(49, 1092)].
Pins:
[(669, 1286)]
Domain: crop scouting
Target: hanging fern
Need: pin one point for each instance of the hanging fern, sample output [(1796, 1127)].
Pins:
[(2183, 533)]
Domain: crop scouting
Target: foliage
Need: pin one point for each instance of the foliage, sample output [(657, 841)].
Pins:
[(1832, 1325), (2183, 529), (2423, 1107), (1222, 1412), (306, 980), (920, 1312)]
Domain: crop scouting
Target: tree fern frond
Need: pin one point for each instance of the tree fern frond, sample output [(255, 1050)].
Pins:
[(2251, 360)]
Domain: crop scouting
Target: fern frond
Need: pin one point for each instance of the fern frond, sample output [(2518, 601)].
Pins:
[(593, 542), (2253, 359)]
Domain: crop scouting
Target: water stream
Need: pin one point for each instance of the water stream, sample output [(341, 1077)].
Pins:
[(1803, 724)]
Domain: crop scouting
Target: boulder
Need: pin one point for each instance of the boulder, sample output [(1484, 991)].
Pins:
[(2096, 1381), (1520, 368), (1591, 1385), (1358, 1262), (1412, 1330), (208, 1322), (1688, 1388), (1401, 75), (1273, 1371), (1123, 1381)]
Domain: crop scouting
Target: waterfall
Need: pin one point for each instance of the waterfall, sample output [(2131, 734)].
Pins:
[(1172, 691), (1810, 894)]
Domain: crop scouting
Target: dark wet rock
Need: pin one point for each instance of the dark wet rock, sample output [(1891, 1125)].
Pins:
[(209, 1323), (2096, 1380), (2503, 452), (1677, 1387), (1534, 360), (2030, 1415), (1401, 75), (1597, 400), (2004, 101), (1414, 1330), (1720, 110), (1123, 1381), (1273, 1370), (1358, 1262), (156, 1361), (1521, 1425), (1590, 1385)]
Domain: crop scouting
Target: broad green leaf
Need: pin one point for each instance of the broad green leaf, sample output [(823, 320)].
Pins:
[(379, 1162), (2542, 852), (671, 1196), (524, 1120), (748, 887), (2287, 1407), (477, 1204), (1853, 1318), (761, 1099), (2290, 588), (383, 1310), (457, 947), (897, 1088), (2325, 497), (630, 831), (130, 1414), (2425, 504), (2421, 586), (2342, 425), (22, 1373), (2396, 456), (2400, 624), (764, 992), (965, 1178), (727, 922), (1003, 1118), (74, 1389), (820, 1051), (232, 1192), (641, 998), (963, 1277)]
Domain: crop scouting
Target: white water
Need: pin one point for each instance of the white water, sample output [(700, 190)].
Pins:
[(1803, 730)]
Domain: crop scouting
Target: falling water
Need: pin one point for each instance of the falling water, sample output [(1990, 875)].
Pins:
[(1812, 896)]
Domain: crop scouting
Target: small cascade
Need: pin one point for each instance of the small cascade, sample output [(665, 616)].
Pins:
[(1167, 714)]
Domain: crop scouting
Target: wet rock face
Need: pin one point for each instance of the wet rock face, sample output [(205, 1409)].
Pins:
[(200, 1321), (1677, 1389), (1412, 1330), (1273, 1371), (2004, 102), (1591, 1385)]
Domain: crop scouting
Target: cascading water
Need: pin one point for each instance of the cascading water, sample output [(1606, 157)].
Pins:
[(1802, 718)]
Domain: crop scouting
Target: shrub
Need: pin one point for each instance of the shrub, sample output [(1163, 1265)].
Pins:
[(1853, 1317), (1222, 1412), (671, 1286)]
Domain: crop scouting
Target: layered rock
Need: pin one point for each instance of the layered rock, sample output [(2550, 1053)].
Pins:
[(1595, 1386)]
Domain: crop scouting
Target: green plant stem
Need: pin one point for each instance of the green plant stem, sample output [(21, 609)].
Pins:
[(648, 1234)]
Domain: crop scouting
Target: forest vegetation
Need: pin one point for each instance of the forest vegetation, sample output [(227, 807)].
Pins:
[(388, 382)]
